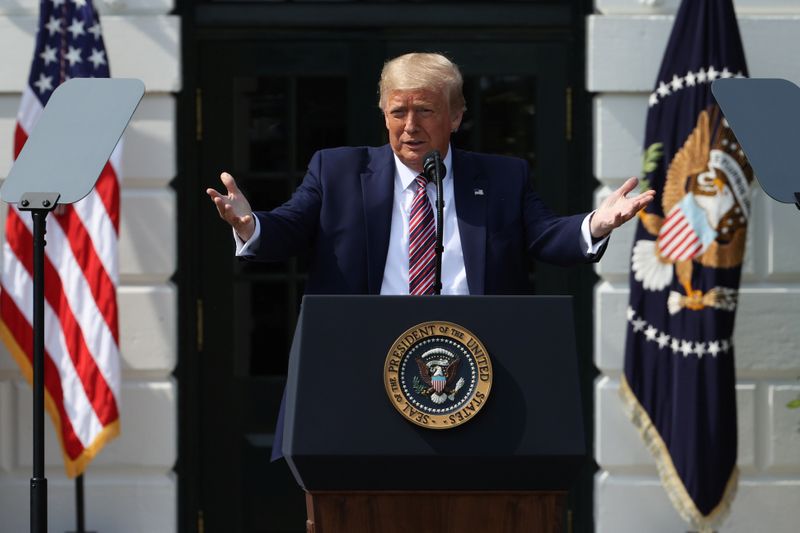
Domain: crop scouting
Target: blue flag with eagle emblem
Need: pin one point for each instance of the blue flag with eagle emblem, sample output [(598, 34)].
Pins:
[(679, 380)]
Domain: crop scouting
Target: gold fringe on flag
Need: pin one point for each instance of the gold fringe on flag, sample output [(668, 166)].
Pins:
[(670, 480)]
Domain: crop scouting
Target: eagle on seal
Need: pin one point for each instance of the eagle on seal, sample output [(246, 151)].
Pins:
[(439, 378), (706, 205)]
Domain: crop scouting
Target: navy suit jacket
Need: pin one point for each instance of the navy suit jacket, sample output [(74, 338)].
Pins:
[(341, 216)]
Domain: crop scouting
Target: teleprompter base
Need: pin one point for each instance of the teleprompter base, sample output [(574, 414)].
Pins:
[(443, 512)]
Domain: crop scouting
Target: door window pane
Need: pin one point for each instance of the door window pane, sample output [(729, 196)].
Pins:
[(321, 116), (500, 117), (261, 125)]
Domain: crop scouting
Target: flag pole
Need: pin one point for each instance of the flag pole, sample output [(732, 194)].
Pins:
[(79, 524)]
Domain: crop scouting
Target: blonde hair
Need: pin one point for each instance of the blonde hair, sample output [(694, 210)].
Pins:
[(423, 71)]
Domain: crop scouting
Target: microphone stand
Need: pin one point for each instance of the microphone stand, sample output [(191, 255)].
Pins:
[(439, 249), (434, 170)]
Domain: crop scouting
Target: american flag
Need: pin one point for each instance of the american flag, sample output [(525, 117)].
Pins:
[(82, 369)]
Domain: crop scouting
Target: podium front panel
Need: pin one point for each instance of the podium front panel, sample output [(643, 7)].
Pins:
[(342, 432)]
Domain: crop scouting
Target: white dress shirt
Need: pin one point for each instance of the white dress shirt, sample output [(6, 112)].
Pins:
[(395, 273)]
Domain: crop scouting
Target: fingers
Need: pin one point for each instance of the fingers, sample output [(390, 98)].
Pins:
[(638, 203), (648, 196), (227, 211), (233, 207), (644, 199), (631, 182), (232, 199), (229, 182), (618, 208), (627, 208), (221, 203), (629, 185)]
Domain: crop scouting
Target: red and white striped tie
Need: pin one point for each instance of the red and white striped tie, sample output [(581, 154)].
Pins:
[(421, 242)]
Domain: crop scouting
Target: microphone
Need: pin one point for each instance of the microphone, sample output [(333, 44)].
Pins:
[(434, 171), (432, 166)]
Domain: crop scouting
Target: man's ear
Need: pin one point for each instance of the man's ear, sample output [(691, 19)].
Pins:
[(455, 120), (385, 118)]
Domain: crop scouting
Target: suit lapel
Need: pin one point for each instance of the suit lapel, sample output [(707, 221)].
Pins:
[(377, 188), (470, 191)]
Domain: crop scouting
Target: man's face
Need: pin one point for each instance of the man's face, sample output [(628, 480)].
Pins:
[(419, 121)]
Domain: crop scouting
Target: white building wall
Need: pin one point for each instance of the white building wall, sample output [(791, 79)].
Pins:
[(626, 41), (130, 486)]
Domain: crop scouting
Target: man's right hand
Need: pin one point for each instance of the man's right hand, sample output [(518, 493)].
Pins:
[(234, 208)]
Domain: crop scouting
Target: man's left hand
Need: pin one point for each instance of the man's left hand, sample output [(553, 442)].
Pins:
[(617, 209)]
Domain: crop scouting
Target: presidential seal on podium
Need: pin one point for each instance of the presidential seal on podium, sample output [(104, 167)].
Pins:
[(438, 375)]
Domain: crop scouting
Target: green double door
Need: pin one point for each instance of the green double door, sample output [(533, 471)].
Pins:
[(264, 106)]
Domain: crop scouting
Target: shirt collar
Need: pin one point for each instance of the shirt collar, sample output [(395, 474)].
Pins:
[(408, 176)]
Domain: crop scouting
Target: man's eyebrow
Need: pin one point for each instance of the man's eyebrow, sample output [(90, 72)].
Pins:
[(414, 105)]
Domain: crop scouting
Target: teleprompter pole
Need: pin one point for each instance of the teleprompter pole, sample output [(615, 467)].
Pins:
[(39, 205)]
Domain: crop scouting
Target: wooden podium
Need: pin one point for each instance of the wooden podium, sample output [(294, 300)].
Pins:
[(367, 469), (443, 512)]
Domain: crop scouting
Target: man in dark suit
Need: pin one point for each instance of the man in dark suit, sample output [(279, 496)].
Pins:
[(365, 214)]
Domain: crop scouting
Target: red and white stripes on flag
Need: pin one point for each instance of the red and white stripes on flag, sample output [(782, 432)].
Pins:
[(82, 363), (677, 241), (686, 232)]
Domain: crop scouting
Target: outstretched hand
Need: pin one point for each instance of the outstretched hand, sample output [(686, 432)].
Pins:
[(617, 209), (234, 208)]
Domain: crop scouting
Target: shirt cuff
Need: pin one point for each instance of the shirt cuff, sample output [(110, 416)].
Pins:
[(243, 248), (588, 244)]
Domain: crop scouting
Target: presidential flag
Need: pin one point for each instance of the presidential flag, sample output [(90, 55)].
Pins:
[(679, 380), (82, 374)]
